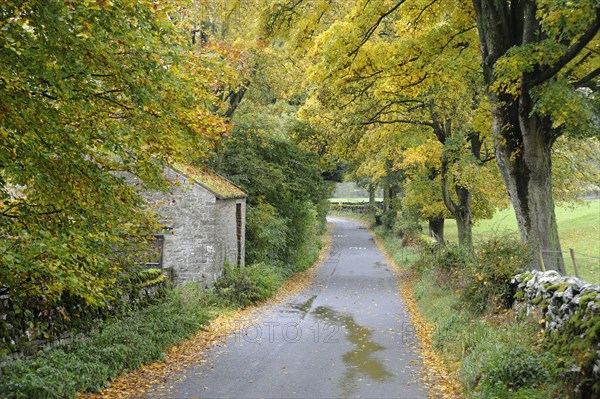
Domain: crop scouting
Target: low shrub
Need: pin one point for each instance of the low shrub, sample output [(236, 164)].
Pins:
[(503, 361), (267, 233), (244, 286), (447, 263), (304, 243), (517, 367), (515, 371), (389, 218), (451, 263), (408, 226), (487, 283)]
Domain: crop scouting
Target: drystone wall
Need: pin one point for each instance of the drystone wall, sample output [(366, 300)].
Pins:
[(571, 316)]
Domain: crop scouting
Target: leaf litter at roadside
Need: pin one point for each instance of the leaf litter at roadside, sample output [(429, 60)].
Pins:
[(152, 378)]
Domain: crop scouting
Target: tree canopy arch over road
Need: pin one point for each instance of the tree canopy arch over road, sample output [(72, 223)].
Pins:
[(538, 62)]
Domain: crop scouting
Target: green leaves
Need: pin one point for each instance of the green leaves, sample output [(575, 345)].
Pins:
[(573, 111)]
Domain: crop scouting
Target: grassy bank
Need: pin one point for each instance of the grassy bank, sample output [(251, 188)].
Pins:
[(493, 353), (118, 346)]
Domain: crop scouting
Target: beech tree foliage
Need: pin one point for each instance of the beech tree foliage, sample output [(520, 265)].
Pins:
[(541, 63), (95, 90), (410, 72)]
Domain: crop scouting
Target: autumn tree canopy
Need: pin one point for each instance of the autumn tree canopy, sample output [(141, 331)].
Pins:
[(540, 62), (384, 62), (93, 90)]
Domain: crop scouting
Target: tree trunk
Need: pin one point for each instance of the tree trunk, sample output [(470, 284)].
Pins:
[(436, 229), (461, 210), (386, 198), (372, 195), (522, 139), (464, 218), (372, 205), (526, 166), (391, 194)]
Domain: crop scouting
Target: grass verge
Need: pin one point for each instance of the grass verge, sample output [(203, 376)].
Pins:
[(492, 355)]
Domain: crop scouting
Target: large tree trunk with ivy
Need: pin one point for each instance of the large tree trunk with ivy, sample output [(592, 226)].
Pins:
[(523, 138)]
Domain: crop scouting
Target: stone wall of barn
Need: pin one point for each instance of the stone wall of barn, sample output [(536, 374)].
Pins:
[(191, 246), (231, 227)]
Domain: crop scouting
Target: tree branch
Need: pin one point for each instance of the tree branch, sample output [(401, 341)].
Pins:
[(458, 34), (578, 63), (373, 28), (393, 121), (422, 11), (110, 100), (587, 78), (568, 55), (451, 205)]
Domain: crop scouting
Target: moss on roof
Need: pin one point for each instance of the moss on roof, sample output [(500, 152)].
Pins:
[(211, 180)]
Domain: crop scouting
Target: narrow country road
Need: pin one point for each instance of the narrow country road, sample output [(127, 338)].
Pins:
[(348, 335)]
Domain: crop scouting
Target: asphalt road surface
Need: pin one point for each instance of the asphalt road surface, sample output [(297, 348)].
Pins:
[(348, 335)]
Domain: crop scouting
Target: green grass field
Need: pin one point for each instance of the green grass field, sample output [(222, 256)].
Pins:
[(579, 228)]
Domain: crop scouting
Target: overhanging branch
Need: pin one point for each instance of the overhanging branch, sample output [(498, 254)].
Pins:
[(587, 78), (373, 28), (393, 121), (568, 55)]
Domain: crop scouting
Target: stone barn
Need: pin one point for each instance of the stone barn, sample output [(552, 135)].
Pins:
[(203, 217)]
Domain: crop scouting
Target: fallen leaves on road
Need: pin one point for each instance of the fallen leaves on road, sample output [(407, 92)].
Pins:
[(152, 377)]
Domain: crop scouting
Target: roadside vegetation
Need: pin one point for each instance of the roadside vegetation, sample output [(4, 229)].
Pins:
[(578, 228), (141, 335), (119, 345)]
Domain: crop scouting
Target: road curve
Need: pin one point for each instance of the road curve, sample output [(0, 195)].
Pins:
[(348, 335)]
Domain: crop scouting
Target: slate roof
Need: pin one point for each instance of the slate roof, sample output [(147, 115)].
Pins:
[(211, 180)]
